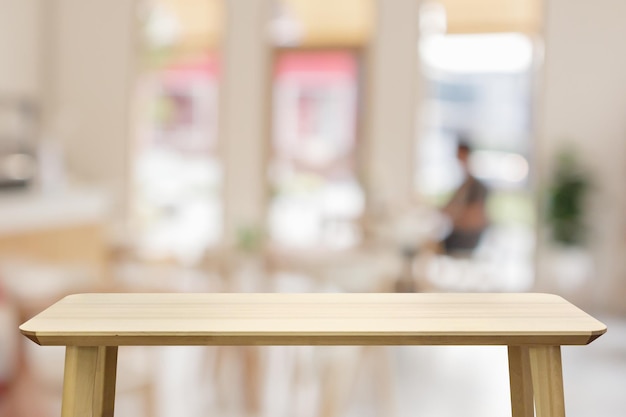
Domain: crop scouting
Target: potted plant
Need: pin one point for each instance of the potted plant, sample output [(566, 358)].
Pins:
[(566, 201), (571, 262)]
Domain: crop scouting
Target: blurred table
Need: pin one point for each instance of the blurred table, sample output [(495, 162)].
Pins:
[(533, 326), (62, 228)]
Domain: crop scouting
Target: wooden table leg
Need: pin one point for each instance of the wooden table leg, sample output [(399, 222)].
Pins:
[(521, 382), (89, 381), (104, 389), (547, 377)]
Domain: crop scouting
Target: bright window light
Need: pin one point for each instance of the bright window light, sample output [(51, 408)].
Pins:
[(499, 166), (484, 53)]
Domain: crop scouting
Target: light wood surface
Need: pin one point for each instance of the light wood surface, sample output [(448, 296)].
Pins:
[(104, 387), (78, 383), (312, 319), (521, 382), (89, 384), (547, 379)]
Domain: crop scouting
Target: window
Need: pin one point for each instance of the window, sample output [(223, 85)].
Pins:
[(479, 86), (316, 196), (176, 204)]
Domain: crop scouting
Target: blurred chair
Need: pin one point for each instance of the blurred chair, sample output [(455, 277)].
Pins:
[(9, 348), (39, 378)]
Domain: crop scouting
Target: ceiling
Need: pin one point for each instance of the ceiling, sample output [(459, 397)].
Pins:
[(345, 23)]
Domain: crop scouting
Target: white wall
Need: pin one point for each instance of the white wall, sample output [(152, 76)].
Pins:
[(583, 105), (20, 36), (89, 86)]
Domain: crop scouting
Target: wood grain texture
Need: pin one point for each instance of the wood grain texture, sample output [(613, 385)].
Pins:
[(104, 386), (521, 382), (547, 377), (312, 319), (89, 381), (78, 382)]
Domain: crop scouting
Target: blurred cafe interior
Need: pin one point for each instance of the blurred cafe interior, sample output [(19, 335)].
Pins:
[(312, 146)]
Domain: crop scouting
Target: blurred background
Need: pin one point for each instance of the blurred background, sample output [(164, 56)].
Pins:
[(311, 146)]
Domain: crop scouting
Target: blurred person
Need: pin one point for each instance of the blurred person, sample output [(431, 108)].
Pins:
[(466, 210), (461, 223)]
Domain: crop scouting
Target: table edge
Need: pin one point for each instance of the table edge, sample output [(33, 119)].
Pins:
[(311, 339)]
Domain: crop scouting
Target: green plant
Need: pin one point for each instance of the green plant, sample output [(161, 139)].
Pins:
[(566, 200), (250, 239)]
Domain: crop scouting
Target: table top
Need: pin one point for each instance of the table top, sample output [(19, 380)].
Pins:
[(312, 319)]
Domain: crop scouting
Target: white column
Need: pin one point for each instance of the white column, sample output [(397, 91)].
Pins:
[(392, 82), (244, 114)]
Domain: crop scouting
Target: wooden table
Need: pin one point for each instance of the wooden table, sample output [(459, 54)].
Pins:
[(533, 326)]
